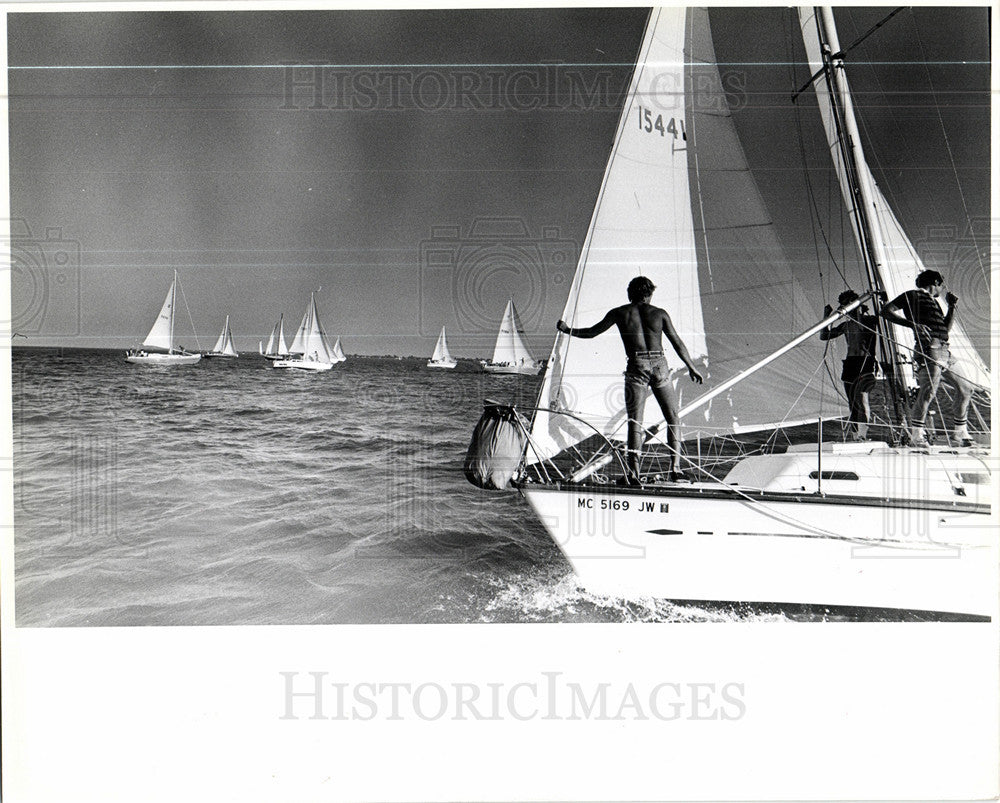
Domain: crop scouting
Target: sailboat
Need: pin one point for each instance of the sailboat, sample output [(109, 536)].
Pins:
[(276, 348), (510, 355), (338, 352), (310, 350), (224, 345), (873, 524), (159, 345), (441, 358)]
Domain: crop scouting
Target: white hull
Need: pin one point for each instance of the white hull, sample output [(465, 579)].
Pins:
[(532, 369), (700, 542), (303, 365), (219, 354), (442, 363), (162, 359)]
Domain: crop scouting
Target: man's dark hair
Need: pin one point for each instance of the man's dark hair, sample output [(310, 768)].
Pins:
[(847, 297), (929, 277), (639, 289)]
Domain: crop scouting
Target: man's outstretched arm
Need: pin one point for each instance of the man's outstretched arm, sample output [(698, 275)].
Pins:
[(589, 331), (680, 348)]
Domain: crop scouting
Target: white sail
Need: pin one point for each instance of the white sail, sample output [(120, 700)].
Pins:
[(224, 345), (276, 340), (441, 353), (310, 339), (678, 205), (899, 262), (338, 352), (510, 348), (161, 336), (299, 340)]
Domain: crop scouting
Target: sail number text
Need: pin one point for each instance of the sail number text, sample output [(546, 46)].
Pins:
[(649, 124)]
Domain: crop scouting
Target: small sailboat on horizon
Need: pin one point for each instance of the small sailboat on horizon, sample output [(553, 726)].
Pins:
[(510, 355), (310, 350), (276, 348), (224, 345), (338, 352), (159, 343), (441, 358)]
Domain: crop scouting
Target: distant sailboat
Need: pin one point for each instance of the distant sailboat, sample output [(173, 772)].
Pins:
[(224, 345), (441, 357), (276, 347), (338, 352), (160, 339), (510, 355), (310, 350)]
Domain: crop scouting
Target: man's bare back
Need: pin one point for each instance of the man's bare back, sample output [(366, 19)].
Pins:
[(642, 327)]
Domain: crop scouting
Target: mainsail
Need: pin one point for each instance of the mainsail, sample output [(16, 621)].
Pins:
[(310, 339), (678, 204), (898, 261), (276, 342), (161, 336), (224, 345), (338, 352), (441, 349), (510, 348)]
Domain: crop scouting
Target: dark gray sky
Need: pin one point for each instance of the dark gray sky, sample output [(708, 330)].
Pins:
[(153, 141)]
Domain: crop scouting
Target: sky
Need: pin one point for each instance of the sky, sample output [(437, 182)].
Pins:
[(420, 167)]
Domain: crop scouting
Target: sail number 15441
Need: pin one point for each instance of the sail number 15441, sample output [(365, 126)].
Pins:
[(649, 124)]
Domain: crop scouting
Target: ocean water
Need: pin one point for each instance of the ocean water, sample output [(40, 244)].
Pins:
[(228, 493)]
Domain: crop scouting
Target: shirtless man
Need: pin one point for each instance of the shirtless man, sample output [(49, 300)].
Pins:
[(860, 330), (641, 326)]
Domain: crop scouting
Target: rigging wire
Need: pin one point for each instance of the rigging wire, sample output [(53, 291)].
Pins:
[(815, 218), (899, 201), (191, 319), (947, 143)]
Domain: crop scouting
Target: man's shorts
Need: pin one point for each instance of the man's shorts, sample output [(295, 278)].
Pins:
[(857, 367), (648, 368), (934, 351)]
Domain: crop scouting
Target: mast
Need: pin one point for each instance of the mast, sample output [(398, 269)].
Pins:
[(864, 210)]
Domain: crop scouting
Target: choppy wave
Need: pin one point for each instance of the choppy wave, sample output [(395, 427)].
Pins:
[(230, 493)]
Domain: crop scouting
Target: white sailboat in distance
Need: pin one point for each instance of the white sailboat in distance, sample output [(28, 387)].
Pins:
[(276, 348), (441, 358), (159, 347), (510, 355), (338, 352), (874, 524), (224, 345), (310, 350)]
